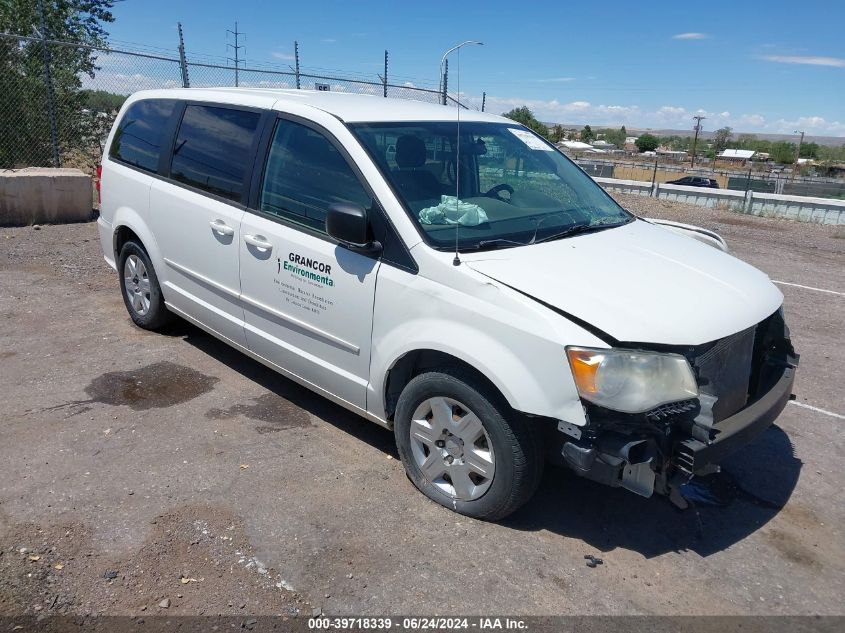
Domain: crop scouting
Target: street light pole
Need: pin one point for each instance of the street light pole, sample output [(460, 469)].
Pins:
[(443, 61), (800, 142), (698, 118)]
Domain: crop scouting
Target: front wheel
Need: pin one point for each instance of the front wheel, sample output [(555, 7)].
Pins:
[(463, 447)]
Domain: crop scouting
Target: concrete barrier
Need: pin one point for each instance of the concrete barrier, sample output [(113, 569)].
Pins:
[(40, 195), (703, 197), (635, 187), (800, 208)]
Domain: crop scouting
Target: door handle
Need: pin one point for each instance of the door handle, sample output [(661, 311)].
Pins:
[(258, 241), (219, 226)]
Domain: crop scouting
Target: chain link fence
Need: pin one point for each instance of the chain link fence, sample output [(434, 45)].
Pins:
[(741, 178), (58, 100)]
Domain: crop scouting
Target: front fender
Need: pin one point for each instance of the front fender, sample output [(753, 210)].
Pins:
[(514, 342)]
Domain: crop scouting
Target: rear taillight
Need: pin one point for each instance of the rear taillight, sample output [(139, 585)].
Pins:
[(99, 177)]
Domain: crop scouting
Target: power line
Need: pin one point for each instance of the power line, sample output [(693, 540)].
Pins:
[(237, 48)]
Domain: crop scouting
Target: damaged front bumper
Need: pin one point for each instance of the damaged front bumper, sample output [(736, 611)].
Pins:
[(661, 450), (693, 455)]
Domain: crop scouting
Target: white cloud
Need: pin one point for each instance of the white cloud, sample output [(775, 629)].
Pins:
[(809, 60), (328, 40), (690, 36), (556, 80), (663, 117), (751, 121), (810, 125), (284, 56)]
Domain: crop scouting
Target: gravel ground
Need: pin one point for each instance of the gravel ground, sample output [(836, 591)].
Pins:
[(140, 468)]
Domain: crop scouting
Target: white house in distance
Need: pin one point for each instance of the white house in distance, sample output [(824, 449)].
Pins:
[(736, 155)]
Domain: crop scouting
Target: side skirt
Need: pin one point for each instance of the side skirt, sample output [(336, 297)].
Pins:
[(281, 370)]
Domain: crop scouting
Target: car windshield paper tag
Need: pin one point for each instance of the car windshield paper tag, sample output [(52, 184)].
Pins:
[(529, 139)]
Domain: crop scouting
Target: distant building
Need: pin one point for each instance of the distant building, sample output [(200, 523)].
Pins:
[(736, 154), (602, 144), (672, 154)]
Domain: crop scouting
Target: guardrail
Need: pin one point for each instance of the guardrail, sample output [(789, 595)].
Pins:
[(800, 208)]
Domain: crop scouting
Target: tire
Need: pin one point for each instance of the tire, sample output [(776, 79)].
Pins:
[(453, 407), (143, 299)]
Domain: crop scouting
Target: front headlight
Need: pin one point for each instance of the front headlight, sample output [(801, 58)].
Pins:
[(631, 381)]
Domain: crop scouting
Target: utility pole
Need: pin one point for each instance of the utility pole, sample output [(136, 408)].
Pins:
[(296, 56), (698, 119), (237, 48), (183, 62), (798, 151), (385, 74), (445, 81), (483, 100), (48, 85)]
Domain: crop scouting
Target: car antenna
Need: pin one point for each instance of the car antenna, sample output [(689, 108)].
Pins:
[(457, 260)]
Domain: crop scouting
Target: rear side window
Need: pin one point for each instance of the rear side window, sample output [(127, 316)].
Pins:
[(212, 150), (140, 134), (306, 173)]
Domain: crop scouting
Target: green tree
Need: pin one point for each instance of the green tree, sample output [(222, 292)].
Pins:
[(617, 137), (102, 101), (809, 150), (556, 134), (832, 154), (783, 152), (24, 126), (721, 139), (647, 143), (526, 117), (587, 134)]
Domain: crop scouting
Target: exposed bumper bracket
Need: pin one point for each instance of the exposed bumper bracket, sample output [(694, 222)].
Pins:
[(692, 455)]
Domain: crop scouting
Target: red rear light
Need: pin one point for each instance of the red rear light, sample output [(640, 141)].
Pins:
[(99, 177)]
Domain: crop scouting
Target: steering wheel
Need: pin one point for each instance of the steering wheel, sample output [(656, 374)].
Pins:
[(495, 191)]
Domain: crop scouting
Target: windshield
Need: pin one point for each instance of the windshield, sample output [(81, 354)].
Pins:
[(510, 187)]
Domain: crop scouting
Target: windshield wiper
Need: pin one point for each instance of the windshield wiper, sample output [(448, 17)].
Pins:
[(578, 229), (499, 242)]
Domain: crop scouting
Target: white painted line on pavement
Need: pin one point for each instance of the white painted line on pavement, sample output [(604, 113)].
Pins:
[(817, 410), (832, 292)]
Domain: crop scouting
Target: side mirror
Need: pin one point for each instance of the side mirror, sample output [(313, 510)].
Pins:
[(348, 224)]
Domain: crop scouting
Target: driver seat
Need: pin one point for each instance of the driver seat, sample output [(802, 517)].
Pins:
[(415, 182)]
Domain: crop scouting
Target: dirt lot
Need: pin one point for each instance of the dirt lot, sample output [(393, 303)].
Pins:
[(148, 473)]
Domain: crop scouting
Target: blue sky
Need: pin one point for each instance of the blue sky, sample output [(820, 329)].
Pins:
[(772, 66)]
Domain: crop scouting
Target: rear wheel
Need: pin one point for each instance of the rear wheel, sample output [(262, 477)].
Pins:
[(463, 446), (139, 287)]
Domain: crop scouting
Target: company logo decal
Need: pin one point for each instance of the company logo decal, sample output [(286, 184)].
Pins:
[(308, 268)]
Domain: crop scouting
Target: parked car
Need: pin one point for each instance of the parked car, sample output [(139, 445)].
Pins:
[(695, 181), (485, 299)]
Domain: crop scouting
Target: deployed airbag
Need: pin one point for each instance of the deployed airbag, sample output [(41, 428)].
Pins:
[(454, 211)]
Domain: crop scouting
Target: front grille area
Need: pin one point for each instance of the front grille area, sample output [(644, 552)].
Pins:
[(664, 411), (723, 371)]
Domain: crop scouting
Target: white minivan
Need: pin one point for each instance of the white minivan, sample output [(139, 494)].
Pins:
[(449, 275)]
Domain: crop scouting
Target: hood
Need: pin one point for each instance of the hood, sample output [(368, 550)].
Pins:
[(638, 283)]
